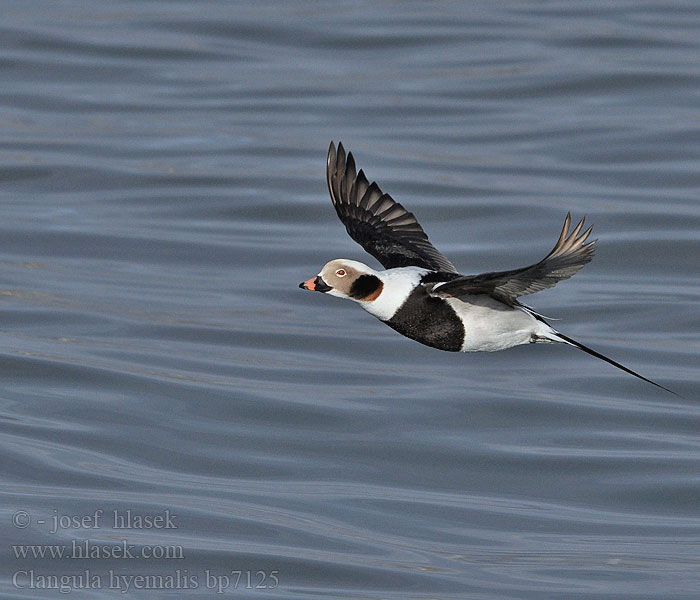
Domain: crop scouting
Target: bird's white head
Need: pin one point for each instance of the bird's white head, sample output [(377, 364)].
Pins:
[(346, 278)]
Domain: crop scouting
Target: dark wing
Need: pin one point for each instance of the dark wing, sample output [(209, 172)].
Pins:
[(569, 254), (374, 220)]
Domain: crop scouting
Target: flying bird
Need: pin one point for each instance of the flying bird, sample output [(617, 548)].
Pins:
[(421, 294)]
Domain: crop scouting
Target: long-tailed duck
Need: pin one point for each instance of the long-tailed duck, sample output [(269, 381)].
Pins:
[(421, 294)]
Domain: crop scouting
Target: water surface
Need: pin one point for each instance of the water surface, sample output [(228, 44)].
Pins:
[(162, 168)]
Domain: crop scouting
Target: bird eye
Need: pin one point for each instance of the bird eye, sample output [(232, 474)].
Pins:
[(340, 272)]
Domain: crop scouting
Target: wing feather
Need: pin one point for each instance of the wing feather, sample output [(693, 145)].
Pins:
[(570, 253), (382, 226)]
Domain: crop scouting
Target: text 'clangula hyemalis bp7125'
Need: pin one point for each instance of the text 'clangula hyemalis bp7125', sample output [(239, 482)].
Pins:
[(420, 294)]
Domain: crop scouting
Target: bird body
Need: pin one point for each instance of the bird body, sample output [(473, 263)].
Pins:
[(421, 294)]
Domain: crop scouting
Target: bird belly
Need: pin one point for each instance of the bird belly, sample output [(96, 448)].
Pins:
[(490, 325)]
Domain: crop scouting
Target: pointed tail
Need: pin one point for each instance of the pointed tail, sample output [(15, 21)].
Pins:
[(580, 346)]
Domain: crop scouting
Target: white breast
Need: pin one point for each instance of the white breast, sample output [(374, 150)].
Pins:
[(398, 284)]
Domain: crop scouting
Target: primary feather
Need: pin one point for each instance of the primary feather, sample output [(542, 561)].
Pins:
[(569, 255), (382, 226)]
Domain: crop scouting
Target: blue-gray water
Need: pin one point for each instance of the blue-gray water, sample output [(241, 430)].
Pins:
[(163, 194)]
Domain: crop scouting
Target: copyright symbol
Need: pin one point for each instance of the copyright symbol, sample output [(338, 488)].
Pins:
[(21, 519)]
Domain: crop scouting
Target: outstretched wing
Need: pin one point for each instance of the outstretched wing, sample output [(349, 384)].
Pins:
[(374, 220), (569, 254)]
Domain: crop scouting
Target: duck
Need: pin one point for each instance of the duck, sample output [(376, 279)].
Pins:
[(421, 295)]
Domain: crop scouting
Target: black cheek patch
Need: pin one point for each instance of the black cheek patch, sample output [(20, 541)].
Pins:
[(365, 285)]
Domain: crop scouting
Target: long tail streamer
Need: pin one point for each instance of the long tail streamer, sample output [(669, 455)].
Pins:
[(588, 350)]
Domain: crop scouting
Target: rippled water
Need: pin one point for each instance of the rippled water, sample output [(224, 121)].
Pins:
[(163, 193)]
